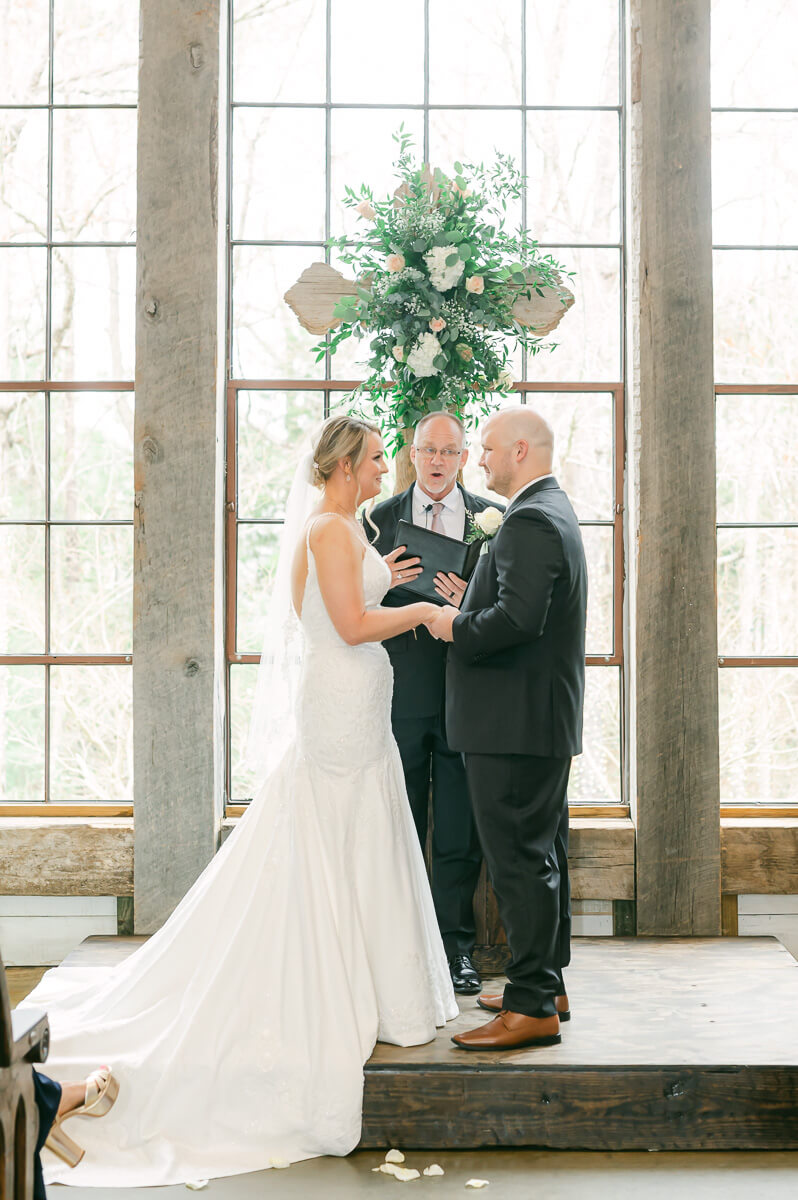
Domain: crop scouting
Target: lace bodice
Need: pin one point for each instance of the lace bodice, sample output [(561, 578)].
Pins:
[(315, 620), (344, 703)]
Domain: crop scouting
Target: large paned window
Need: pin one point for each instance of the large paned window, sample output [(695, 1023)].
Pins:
[(68, 84), (755, 231), (317, 89)]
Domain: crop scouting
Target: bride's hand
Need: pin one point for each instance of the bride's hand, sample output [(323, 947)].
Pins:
[(404, 571), (428, 614)]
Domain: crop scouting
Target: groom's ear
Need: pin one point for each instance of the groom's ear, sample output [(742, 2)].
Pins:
[(464, 457)]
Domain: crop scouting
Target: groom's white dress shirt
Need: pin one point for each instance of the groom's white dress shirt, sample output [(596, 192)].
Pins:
[(452, 514), (515, 495)]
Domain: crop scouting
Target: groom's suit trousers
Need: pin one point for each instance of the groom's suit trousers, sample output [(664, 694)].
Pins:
[(520, 805)]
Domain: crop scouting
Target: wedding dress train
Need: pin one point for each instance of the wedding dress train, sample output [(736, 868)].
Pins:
[(239, 1031)]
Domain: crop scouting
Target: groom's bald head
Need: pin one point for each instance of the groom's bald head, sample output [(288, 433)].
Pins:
[(517, 447)]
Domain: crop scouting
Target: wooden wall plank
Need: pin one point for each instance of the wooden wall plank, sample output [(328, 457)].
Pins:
[(760, 856), (66, 858), (40, 856), (688, 1108)]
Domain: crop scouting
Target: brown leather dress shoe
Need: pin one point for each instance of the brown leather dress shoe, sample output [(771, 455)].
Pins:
[(494, 1002), (511, 1031)]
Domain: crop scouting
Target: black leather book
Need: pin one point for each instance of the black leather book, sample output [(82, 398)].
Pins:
[(437, 553)]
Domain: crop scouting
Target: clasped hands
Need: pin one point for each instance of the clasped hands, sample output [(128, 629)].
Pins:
[(440, 626), (450, 587)]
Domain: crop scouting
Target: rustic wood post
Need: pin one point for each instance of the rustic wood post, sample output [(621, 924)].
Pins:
[(675, 640), (178, 611)]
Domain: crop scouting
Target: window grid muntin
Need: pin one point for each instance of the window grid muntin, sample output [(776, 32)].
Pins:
[(328, 388), (752, 389), (46, 386), (327, 384)]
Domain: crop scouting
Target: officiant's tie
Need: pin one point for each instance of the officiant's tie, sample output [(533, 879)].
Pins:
[(437, 523)]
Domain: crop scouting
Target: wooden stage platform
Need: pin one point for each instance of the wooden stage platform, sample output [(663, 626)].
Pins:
[(674, 1044)]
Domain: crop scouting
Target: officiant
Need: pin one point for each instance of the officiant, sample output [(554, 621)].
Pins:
[(434, 774)]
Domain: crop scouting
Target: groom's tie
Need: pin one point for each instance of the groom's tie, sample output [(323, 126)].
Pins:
[(437, 523)]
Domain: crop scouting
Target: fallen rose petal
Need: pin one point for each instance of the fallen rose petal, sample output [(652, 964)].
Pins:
[(279, 1164), (405, 1174), (388, 1168), (433, 1169), (395, 1156), (477, 1183), (197, 1185)]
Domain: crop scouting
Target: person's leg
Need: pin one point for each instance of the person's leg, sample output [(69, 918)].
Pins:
[(413, 739), (518, 804), (456, 852), (561, 849), (47, 1094)]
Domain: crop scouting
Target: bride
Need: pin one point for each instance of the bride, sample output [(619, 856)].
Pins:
[(239, 1031)]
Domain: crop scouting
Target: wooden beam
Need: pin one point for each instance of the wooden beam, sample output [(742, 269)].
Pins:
[(178, 667), (602, 859), (461, 1107), (45, 857), (730, 915), (760, 856), (675, 642)]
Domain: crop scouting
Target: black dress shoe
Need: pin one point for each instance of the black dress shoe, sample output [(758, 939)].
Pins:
[(465, 976)]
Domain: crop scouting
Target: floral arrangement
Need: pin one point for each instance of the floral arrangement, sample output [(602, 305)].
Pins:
[(438, 277), (483, 526)]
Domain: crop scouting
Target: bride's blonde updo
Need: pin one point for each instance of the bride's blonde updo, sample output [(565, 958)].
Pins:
[(340, 437)]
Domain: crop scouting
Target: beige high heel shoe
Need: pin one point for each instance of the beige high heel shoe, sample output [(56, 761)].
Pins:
[(102, 1089)]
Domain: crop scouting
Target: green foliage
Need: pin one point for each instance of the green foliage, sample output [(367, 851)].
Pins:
[(473, 322)]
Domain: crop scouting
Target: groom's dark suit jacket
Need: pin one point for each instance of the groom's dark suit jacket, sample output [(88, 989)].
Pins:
[(515, 676), (418, 662)]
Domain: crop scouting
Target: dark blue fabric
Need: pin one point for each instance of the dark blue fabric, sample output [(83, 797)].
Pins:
[(48, 1097)]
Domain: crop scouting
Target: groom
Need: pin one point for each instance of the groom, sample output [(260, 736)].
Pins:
[(436, 501), (515, 685)]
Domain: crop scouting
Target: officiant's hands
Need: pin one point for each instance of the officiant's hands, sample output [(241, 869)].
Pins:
[(450, 587), (403, 571), (441, 625)]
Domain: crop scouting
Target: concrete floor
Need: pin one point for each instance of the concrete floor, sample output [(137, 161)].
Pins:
[(512, 1175)]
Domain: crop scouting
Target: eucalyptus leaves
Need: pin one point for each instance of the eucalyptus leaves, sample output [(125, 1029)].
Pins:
[(438, 277)]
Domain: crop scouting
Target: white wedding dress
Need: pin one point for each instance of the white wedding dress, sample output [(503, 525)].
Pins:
[(239, 1031)]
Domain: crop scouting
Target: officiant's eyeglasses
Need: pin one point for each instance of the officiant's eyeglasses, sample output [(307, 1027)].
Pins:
[(431, 451)]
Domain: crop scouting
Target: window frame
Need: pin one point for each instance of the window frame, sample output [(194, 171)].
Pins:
[(48, 385), (616, 659), (328, 384), (47, 659), (730, 809)]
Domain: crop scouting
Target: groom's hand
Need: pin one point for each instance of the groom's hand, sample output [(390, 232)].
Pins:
[(441, 625)]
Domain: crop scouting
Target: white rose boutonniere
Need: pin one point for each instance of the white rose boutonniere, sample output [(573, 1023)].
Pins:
[(483, 526)]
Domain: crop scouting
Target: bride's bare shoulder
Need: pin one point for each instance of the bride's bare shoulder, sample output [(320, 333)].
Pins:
[(327, 529)]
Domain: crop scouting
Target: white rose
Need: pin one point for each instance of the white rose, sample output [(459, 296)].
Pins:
[(475, 284), (421, 358), (489, 520), (395, 263), (442, 277)]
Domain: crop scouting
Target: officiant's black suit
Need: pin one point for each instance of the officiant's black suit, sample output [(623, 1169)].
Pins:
[(515, 685), (419, 666)]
